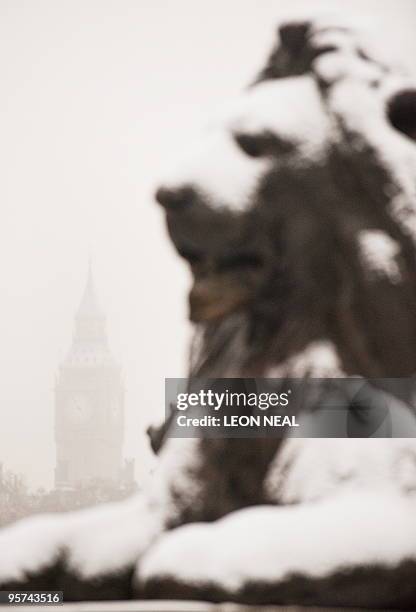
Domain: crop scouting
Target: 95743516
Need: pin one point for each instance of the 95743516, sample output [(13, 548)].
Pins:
[(31, 598)]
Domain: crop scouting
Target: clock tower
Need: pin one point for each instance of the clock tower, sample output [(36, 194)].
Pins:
[(89, 403)]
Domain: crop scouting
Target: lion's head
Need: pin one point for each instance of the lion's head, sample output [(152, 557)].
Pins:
[(297, 213)]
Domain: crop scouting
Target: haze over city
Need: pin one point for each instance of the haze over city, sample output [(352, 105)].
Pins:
[(93, 108)]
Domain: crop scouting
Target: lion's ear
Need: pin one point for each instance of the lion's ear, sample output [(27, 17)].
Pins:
[(401, 112), (293, 35), (300, 42), (289, 56)]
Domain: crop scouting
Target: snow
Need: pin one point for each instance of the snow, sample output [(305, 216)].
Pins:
[(175, 477), (359, 109), (336, 65), (268, 543), (109, 537), (112, 536), (319, 360), (224, 175), (357, 99), (334, 37), (356, 495), (347, 30), (291, 109), (308, 469), (96, 541), (378, 252), (30, 545)]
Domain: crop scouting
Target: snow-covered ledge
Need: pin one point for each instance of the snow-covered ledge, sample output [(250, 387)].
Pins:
[(171, 606), (134, 606)]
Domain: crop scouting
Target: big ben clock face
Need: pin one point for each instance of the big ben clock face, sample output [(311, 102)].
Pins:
[(79, 409)]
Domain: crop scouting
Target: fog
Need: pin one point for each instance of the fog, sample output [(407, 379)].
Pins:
[(96, 97)]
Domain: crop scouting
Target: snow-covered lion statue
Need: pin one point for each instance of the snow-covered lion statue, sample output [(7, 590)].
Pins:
[(297, 217)]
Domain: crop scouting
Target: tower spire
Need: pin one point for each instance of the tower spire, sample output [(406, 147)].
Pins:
[(90, 338), (89, 306)]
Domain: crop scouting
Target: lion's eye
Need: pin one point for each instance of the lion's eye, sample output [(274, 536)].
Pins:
[(252, 145), (262, 144)]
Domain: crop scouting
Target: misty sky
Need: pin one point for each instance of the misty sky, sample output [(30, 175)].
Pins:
[(96, 97)]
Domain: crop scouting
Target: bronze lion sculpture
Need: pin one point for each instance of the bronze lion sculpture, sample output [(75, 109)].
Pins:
[(297, 218)]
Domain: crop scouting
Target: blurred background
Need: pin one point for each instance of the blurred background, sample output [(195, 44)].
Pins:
[(97, 97)]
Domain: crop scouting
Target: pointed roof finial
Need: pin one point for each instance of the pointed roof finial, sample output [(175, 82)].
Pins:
[(89, 306)]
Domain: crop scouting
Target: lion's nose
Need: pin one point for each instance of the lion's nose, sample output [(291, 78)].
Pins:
[(174, 198)]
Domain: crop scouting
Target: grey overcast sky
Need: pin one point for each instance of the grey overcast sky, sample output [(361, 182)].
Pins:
[(96, 96)]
